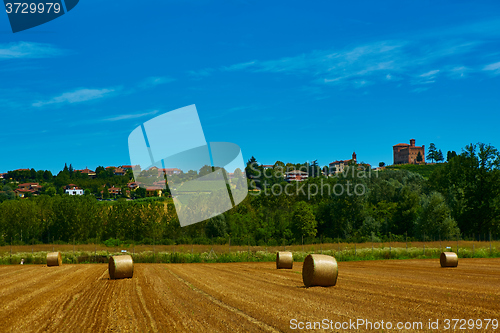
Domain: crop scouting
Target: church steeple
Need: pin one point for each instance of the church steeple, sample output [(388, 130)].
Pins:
[(354, 156)]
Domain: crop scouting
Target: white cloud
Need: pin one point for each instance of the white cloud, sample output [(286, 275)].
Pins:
[(357, 66), (430, 73), (420, 58), (353, 65), (494, 68), (458, 72), (77, 96), (239, 67), (202, 72), (29, 50), (154, 81), (426, 78), (131, 116)]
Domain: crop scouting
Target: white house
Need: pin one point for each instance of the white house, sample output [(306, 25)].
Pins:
[(296, 175), (73, 190)]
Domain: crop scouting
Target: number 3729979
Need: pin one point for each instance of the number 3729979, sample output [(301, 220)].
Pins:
[(32, 8)]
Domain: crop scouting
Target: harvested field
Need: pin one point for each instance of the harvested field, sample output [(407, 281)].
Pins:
[(242, 297)]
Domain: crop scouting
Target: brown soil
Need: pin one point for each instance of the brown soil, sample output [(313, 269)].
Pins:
[(242, 297)]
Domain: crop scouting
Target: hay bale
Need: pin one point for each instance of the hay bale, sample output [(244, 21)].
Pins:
[(284, 260), (54, 259), (448, 259), (120, 267), (319, 270)]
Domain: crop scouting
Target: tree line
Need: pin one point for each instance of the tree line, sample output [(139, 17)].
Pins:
[(461, 198)]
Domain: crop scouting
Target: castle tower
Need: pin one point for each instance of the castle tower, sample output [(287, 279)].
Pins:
[(412, 142), (354, 157)]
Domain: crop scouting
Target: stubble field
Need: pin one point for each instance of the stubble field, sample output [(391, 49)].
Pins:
[(244, 297)]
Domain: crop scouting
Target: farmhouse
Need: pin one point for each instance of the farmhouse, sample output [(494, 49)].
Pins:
[(119, 171), (169, 172), (115, 190), (87, 172), (72, 189), (296, 175), (23, 189), (131, 167), (133, 185), (154, 191)]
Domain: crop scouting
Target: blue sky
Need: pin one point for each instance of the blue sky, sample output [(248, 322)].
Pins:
[(285, 80)]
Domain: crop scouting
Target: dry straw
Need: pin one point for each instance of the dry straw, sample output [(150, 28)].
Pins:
[(54, 259), (320, 270), (121, 267), (284, 260), (449, 259)]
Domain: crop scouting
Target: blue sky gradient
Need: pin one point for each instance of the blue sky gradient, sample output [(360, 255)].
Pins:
[(285, 80)]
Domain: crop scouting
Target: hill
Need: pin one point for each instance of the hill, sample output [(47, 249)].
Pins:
[(424, 170)]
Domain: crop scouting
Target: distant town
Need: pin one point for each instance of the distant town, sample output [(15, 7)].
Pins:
[(118, 181)]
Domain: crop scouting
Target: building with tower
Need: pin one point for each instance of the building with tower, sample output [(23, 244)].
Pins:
[(407, 153), (338, 166)]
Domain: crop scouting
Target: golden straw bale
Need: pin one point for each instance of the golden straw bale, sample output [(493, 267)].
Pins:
[(120, 267), (54, 259), (319, 270), (448, 259), (284, 260)]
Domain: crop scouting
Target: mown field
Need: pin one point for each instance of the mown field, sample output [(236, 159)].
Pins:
[(244, 297)]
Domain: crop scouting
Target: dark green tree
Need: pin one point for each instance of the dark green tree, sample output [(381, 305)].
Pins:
[(105, 192), (419, 157), (33, 174), (205, 170), (433, 153), (254, 173), (470, 182), (216, 227), (450, 155), (303, 221), (439, 156), (435, 218)]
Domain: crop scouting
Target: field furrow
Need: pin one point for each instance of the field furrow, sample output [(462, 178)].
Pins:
[(242, 297)]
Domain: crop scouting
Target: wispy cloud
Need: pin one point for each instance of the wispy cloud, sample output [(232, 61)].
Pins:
[(426, 78), (154, 81), (202, 72), (430, 73), (131, 116), (77, 96), (493, 68), (458, 72), (29, 50), (420, 59), (365, 64)]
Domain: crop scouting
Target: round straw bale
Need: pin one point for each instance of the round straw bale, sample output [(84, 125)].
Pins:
[(449, 259), (319, 270), (121, 267), (54, 259), (284, 260)]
